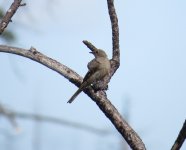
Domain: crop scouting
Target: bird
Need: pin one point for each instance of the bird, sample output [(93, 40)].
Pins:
[(98, 68)]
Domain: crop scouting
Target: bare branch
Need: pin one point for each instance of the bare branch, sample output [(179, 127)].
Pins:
[(9, 115), (9, 14), (89, 45), (180, 139), (33, 54), (115, 61), (115, 31), (120, 124), (12, 115), (99, 97), (63, 122)]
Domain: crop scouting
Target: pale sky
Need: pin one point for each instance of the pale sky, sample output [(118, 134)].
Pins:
[(151, 76)]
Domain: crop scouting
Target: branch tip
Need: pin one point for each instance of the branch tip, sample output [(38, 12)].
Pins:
[(89, 45), (23, 4), (33, 50)]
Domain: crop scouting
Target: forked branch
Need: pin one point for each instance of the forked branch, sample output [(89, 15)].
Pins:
[(99, 97)]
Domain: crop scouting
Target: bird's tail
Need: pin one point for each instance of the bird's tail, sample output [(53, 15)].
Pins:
[(82, 87), (75, 95)]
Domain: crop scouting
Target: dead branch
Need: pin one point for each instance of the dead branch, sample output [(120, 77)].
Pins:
[(9, 14), (180, 139), (99, 97), (11, 115)]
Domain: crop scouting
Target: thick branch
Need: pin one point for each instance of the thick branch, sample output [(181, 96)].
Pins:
[(33, 54), (120, 124), (9, 14), (180, 139), (99, 97)]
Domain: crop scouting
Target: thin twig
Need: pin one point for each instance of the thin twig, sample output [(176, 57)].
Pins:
[(180, 139), (89, 45), (63, 122), (9, 115), (12, 115), (9, 14)]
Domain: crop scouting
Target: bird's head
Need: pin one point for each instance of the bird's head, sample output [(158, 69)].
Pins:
[(99, 53)]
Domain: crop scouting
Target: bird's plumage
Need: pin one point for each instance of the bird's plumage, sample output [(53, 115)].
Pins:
[(98, 68)]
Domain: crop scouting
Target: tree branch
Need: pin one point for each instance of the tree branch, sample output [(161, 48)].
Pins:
[(33, 54), (12, 115), (115, 61), (9, 116), (99, 97), (9, 14), (115, 32), (180, 139), (63, 122), (90, 45)]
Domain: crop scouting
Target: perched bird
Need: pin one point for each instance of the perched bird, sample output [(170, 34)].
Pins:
[(98, 68)]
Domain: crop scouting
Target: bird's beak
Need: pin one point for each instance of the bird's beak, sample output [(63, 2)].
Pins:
[(91, 52)]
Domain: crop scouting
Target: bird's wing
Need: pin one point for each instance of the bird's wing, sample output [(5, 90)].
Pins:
[(93, 65), (87, 76)]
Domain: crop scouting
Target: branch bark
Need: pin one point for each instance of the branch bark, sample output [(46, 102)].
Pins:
[(99, 97), (9, 14), (180, 139), (115, 32)]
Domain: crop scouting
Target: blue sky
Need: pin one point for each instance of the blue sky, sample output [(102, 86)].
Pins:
[(151, 75)]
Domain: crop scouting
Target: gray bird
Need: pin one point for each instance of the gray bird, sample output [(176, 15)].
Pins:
[(98, 68)]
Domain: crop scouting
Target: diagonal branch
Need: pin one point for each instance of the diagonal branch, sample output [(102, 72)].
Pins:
[(180, 139), (90, 45), (9, 14), (33, 54), (12, 115), (99, 97)]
